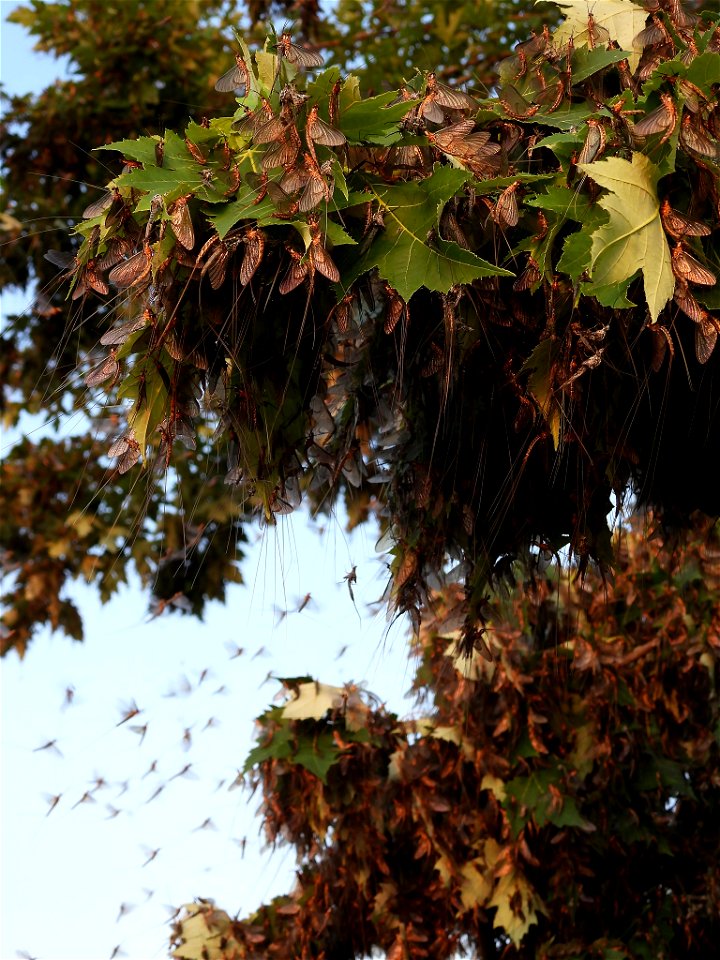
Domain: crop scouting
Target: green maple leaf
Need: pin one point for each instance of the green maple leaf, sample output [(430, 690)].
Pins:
[(407, 252), (622, 19), (633, 237)]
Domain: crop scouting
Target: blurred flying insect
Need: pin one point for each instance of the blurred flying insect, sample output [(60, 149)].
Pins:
[(50, 745), (128, 711), (53, 801), (237, 78), (181, 222), (303, 58)]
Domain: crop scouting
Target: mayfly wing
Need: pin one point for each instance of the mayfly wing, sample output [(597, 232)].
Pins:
[(323, 133), (119, 335), (130, 457), (280, 155), (687, 302), (132, 271), (296, 273), (182, 222), (107, 370), (270, 131), (662, 120), (706, 335), (448, 97), (688, 268), (254, 249), (314, 193), (322, 261), (216, 266), (694, 136), (98, 206), (594, 145), (678, 225), (506, 212), (237, 78), (301, 57), (451, 139)]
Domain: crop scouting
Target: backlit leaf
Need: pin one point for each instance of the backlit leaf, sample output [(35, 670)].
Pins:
[(633, 236)]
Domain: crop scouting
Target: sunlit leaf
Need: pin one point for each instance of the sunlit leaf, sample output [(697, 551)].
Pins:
[(633, 236)]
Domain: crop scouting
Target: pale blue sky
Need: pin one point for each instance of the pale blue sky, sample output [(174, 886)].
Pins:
[(65, 876)]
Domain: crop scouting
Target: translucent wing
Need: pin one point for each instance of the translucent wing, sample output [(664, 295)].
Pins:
[(302, 57), (236, 78), (182, 222)]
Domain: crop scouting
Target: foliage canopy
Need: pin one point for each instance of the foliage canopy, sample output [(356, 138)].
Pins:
[(476, 316), (461, 313)]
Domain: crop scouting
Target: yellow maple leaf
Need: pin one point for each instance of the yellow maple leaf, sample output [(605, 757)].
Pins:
[(517, 906), (622, 19)]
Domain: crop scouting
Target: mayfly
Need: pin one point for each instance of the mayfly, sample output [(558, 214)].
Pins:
[(319, 258), (126, 450), (695, 137), (109, 369), (445, 96), (320, 184), (254, 241), (118, 335), (706, 334), (297, 271), (678, 225), (195, 152), (595, 140), (506, 212), (317, 131), (395, 308), (301, 57), (237, 78), (131, 272), (182, 222), (662, 120), (515, 105), (686, 267)]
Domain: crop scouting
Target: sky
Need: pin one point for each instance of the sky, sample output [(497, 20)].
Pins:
[(145, 821)]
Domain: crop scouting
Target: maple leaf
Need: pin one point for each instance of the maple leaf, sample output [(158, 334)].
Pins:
[(517, 906), (313, 701), (622, 19), (633, 236)]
